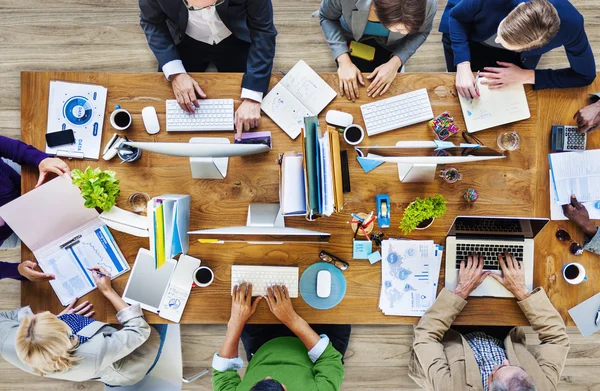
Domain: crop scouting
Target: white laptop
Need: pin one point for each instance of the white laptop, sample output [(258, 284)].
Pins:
[(489, 236)]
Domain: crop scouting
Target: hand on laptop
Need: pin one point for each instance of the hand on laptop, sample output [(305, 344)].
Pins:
[(577, 213), (513, 276), (470, 276)]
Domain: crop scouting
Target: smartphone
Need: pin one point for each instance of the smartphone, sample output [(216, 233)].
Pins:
[(360, 50), (62, 137)]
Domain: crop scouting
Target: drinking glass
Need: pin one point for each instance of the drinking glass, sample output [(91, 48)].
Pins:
[(138, 202), (509, 141)]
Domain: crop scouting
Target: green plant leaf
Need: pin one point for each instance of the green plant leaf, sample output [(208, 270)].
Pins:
[(98, 188), (421, 210)]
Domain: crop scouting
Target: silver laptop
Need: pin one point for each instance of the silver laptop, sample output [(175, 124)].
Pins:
[(489, 236)]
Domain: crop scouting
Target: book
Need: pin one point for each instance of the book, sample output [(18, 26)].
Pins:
[(301, 93)]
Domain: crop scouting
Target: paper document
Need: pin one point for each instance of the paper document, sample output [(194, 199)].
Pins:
[(293, 195), (494, 107), (180, 286), (556, 210), (79, 107), (410, 272), (576, 173), (301, 93), (70, 261), (326, 174), (584, 315)]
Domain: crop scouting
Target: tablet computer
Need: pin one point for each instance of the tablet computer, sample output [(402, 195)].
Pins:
[(147, 285)]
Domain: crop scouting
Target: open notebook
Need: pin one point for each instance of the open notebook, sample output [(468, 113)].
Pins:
[(495, 107)]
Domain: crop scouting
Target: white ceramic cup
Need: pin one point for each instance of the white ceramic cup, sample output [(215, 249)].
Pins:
[(354, 142), (205, 284), (580, 277), (114, 114)]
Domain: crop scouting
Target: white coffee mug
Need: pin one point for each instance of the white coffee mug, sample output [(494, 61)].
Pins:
[(576, 279), (203, 284), (115, 113), (354, 141)]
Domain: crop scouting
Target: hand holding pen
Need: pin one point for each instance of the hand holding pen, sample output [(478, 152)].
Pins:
[(102, 278)]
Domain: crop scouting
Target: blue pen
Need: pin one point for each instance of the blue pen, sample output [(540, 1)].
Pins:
[(99, 273), (357, 218)]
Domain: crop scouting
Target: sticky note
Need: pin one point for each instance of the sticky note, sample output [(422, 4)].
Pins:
[(374, 257), (368, 164), (362, 249)]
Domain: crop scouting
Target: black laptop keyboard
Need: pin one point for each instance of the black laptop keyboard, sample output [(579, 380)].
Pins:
[(489, 252), (488, 225)]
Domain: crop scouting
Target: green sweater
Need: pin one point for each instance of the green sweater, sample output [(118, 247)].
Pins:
[(286, 360)]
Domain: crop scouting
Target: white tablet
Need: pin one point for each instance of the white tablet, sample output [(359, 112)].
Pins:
[(146, 285)]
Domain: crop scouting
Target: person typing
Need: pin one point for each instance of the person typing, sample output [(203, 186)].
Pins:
[(290, 356), (447, 357)]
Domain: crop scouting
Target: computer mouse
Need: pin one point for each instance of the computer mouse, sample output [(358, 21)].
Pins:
[(339, 118), (323, 283), (150, 120)]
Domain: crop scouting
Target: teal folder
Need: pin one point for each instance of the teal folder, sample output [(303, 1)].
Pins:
[(312, 168)]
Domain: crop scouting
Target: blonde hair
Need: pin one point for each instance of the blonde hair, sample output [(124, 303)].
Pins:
[(44, 343), (530, 25)]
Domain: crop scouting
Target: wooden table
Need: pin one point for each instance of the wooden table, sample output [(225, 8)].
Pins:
[(515, 186)]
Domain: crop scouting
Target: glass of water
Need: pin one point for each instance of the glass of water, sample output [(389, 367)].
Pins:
[(138, 202), (509, 141)]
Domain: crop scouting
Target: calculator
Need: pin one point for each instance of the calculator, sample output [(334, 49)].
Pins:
[(567, 138)]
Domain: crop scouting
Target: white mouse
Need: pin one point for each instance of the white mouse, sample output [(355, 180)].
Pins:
[(323, 283), (339, 118), (150, 120)]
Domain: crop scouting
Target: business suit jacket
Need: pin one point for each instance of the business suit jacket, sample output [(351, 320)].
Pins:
[(356, 14), (164, 22), (115, 357), (443, 360), (478, 20)]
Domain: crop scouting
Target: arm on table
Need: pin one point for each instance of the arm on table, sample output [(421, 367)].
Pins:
[(21, 153), (10, 270)]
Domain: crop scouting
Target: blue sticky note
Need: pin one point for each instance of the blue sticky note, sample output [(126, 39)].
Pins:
[(362, 249), (368, 164), (374, 257)]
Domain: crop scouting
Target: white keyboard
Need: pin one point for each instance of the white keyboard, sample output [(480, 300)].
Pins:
[(213, 114), (262, 277), (397, 112)]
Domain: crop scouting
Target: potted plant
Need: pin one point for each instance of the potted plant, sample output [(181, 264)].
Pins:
[(421, 212), (99, 189)]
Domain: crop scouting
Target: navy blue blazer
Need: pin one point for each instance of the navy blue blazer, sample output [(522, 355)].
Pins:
[(478, 20), (165, 21)]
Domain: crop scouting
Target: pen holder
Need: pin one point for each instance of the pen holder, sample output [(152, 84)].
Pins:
[(367, 229)]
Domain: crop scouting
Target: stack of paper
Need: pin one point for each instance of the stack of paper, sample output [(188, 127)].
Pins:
[(410, 270), (574, 173), (169, 222)]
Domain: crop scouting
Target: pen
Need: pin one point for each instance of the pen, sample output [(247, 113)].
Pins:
[(476, 85), (99, 273), (357, 218)]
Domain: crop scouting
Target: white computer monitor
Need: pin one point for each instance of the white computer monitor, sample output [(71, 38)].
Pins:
[(417, 160), (209, 156), (264, 225)]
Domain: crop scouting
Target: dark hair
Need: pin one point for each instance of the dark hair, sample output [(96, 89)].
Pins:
[(411, 13), (267, 385)]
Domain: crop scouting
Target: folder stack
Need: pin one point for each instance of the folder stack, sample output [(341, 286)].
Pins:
[(169, 222)]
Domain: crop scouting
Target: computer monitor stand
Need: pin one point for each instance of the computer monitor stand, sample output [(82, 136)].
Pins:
[(265, 215), (411, 173), (209, 167)]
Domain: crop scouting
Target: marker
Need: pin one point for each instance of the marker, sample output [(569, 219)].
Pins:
[(208, 241)]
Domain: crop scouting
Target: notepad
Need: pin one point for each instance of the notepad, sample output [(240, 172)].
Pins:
[(495, 107), (301, 93)]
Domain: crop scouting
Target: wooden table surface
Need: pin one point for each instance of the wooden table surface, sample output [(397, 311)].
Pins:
[(515, 186)]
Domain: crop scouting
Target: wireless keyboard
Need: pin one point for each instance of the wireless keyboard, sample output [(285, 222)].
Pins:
[(397, 112), (213, 114), (262, 277)]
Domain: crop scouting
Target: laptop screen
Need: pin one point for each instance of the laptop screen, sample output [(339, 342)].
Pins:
[(526, 228)]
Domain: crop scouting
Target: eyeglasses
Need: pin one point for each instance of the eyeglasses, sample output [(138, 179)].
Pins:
[(575, 248), (326, 257), (192, 8)]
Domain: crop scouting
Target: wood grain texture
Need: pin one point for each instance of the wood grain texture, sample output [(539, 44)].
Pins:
[(224, 203)]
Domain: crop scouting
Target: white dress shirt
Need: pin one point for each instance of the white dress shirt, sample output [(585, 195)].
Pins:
[(206, 26)]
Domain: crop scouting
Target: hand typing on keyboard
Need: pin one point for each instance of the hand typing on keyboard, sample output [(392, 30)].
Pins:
[(242, 307), (185, 89), (280, 303), (470, 276), (513, 276)]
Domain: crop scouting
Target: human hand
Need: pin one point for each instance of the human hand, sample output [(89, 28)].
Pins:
[(247, 116), (588, 118), (348, 75), (577, 213), (52, 165), (84, 309), (513, 276), (506, 75), (27, 270), (383, 76), (465, 81), (280, 304), (102, 278), (470, 276), (186, 91), (242, 307)]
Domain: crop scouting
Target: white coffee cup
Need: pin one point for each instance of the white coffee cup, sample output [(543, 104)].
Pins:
[(123, 121), (204, 270), (353, 131), (574, 273)]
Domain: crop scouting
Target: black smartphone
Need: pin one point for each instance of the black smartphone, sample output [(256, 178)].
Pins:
[(62, 137)]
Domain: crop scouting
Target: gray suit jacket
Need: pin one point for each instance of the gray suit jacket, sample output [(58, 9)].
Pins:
[(115, 357), (356, 14)]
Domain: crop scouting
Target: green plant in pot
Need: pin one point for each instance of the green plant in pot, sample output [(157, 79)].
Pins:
[(99, 189), (421, 212)]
